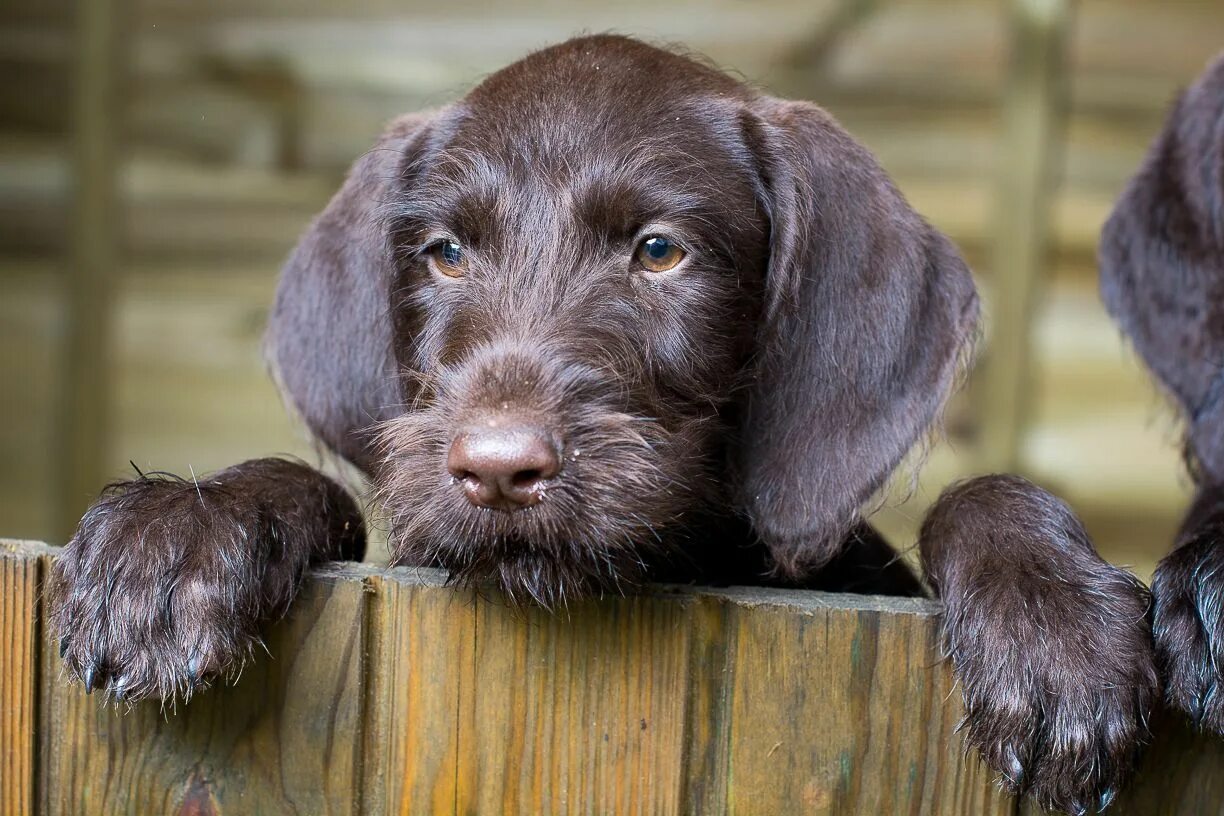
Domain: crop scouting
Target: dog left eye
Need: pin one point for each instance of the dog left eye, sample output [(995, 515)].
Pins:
[(659, 254), (448, 258)]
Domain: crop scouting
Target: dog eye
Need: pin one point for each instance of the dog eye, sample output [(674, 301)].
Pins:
[(448, 258), (659, 254)]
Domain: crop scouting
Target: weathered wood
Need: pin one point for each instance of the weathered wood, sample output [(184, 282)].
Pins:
[(387, 692), (94, 251), (839, 707), (1034, 114), (288, 738), (593, 720), (20, 584), (421, 670)]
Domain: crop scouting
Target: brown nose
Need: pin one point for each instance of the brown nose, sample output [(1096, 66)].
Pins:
[(505, 468)]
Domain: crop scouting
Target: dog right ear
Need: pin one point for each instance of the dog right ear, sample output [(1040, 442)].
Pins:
[(329, 334), (869, 312), (1162, 265)]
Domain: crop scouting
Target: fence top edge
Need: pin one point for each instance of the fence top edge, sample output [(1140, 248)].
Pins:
[(792, 600), (22, 548), (803, 601)]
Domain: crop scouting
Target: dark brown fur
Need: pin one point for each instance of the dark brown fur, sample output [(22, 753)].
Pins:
[(1051, 643), (1162, 278), (726, 422), (166, 580), (743, 384)]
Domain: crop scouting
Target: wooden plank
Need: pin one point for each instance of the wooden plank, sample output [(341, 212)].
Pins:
[(707, 758), (631, 705), (388, 692), (593, 720), (611, 706), (1034, 113), (842, 707), (20, 585), (94, 251), (420, 670), (288, 738)]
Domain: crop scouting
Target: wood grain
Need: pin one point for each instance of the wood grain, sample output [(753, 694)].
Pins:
[(841, 707), (388, 692), (581, 712), (288, 738), (1035, 103), (100, 51), (20, 584), (420, 670)]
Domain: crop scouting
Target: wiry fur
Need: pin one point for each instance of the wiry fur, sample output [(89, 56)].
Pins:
[(1051, 644), (1189, 614), (1162, 278), (166, 582), (585, 536)]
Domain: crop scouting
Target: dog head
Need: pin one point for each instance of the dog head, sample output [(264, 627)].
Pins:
[(610, 292), (1162, 265)]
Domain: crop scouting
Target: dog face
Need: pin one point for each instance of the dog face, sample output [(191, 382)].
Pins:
[(608, 294), (572, 320)]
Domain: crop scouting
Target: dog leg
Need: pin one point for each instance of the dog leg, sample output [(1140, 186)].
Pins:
[(1188, 624), (166, 582), (1050, 643)]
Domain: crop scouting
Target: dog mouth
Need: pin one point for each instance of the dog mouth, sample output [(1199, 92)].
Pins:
[(550, 577), (540, 530), (546, 554)]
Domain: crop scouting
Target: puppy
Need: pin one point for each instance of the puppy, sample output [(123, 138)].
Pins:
[(1162, 278), (616, 317)]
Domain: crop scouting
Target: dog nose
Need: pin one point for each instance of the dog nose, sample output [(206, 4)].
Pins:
[(503, 467)]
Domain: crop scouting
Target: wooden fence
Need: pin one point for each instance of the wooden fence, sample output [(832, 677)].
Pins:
[(387, 692)]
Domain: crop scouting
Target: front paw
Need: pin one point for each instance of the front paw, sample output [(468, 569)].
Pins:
[(158, 592), (1058, 681), (1188, 625)]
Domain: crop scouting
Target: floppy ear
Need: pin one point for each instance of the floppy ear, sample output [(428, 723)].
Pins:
[(1162, 265), (868, 310), (329, 334)]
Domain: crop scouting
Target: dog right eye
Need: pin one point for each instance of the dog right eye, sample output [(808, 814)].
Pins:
[(659, 254), (448, 258)]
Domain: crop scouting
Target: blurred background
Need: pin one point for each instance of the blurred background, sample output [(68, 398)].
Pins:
[(158, 158)]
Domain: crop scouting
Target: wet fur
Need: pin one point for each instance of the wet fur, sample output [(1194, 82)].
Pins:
[(1162, 278), (167, 581), (1051, 644)]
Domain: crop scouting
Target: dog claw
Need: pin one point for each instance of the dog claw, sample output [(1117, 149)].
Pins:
[(118, 689), (1197, 709), (193, 670), (63, 646), (87, 678), (1106, 798), (1014, 769)]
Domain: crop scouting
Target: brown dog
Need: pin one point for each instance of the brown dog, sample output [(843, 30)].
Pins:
[(1162, 278), (617, 317)]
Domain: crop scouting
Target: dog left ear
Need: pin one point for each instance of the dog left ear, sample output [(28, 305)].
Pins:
[(868, 310)]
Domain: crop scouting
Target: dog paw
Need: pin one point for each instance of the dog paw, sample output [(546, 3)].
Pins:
[(161, 588), (1058, 680), (1188, 626)]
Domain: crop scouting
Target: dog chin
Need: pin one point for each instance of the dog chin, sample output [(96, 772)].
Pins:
[(546, 577), (597, 530), (544, 555)]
